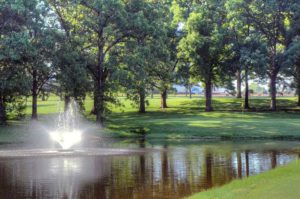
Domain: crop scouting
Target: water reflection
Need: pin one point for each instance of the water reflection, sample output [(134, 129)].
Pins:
[(174, 172)]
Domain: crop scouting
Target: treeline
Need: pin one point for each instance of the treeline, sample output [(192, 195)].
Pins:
[(75, 47)]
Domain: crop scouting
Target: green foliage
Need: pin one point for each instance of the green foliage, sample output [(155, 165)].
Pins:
[(15, 51), (75, 47), (205, 42), (16, 108), (292, 55), (71, 69)]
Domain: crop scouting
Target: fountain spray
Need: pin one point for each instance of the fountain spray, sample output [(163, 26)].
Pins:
[(67, 132)]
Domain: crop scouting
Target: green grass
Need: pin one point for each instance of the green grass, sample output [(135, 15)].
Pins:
[(280, 183), (185, 118)]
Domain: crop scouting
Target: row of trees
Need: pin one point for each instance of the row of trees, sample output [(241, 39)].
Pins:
[(75, 47)]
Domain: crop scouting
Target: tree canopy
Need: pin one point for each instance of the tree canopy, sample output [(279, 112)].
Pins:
[(101, 48)]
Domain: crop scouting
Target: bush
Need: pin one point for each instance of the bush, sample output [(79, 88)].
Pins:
[(16, 108)]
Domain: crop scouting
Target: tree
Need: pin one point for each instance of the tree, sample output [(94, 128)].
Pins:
[(164, 50), (72, 78), (40, 67), (205, 44), (141, 55), (164, 72), (249, 54), (270, 19), (149, 65), (14, 53), (40, 42), (105, 25), (293, 62), (70, 61), (253, 56), (137, 65), (292, 54)]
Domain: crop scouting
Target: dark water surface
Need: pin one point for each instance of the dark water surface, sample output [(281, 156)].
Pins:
[(177, 170)]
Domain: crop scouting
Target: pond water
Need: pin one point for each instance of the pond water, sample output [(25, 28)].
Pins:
[(173, 170)]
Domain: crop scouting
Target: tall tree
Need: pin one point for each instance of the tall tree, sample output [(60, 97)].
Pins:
[(205, 44), (164, 71), (14, 53), (71, 74), (141, 55), (248, 48), (70, 60), (40, 66), (137, 66), (105, 25), (253, 56), (40, 40), (270, 18), (292, 55)]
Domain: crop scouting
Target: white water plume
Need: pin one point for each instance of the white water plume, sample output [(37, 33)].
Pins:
[(67, 132)]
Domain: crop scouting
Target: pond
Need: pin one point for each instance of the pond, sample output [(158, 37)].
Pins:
[(173, 170)]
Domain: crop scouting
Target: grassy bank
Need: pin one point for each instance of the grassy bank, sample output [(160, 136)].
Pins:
[(280, 183), (185, 118)]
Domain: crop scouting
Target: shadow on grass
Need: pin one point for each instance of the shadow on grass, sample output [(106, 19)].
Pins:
[(225, 125)]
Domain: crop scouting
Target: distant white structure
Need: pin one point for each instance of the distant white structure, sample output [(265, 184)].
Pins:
[(182, 89), (197, 89), (219, 90)]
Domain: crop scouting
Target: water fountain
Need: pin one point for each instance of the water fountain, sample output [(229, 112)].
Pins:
[(68, 134)]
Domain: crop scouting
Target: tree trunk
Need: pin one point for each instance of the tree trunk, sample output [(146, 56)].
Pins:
[(93, 111), (34, 91), (246, 101), (67, 102), (2, 111), (238, 84), (99, 102), (190, 91), (273, 91), (163, 99), (208, 95), (142, 108), (186, 90), (99, 86), (274, 69), (297, 80)]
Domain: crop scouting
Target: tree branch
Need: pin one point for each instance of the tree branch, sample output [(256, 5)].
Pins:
[(116, 41)]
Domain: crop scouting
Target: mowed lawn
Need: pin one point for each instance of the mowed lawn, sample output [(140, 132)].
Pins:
[(185, 118), (280, 183)]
